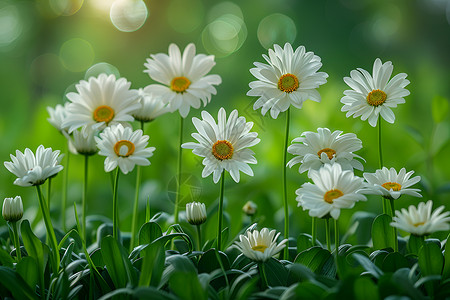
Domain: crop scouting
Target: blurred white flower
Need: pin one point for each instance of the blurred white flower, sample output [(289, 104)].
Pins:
[(390, 185), (196, 213), (151, 107), (260, 245), (82, 141), (288, 78), (33, 169), (250, 208), (373, 95), (184, 80), (57, 116), (421, 220), (224, 145), (12, 209), (124, 148), (316, 149)]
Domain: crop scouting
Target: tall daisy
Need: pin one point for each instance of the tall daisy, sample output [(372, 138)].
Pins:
[(325, 147), (374, 95), (183, 80), (101, 101), (290, 77)]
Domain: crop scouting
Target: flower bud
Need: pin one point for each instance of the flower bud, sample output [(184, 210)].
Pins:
[(12, 209), (196, 213), (250, 208)]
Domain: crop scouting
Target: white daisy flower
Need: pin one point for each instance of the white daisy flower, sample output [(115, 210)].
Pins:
[(260, 245), (196, 213), (101, 101), (183, 78), (224, 145), (151, 107), (12, 210), (82, 141), (333, 190), (124, 148), (421, 220), (289, 78), (324, 147), (390, 185), (57, 116), (375, 94), (33, 169)]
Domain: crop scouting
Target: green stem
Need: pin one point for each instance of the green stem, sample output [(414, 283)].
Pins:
[(16, 240), (336, 236), (64, 192), (262, 273), (393, 228), (49, 191), (286, 206), (115, 207), (219, 225), (314, 231), (180, 152), (50, 231), (199, 238), (380, 150), (328, 236), (83, 199)]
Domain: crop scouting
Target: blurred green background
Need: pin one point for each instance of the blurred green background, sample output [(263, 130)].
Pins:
[(46, 46)]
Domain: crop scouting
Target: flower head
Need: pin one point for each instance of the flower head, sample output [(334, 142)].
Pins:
[(333, 190), (316, 149), (152, 107), (196, 213), (57, 116), (288, 78), (82, 141), (12, 209), (124, 148), (389, 184), (421, 220), (224, 145), (373, 95), (184, 80), (250, 208), (33, 169), (101, 101), (260, 245)]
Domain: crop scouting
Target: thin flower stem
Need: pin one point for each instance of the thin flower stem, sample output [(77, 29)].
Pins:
[(314, 231), (219, 226), (83, 199), (393, 228), (180, 152), (15, 226), (199, 238), (286, 207), (64, 192), (262, 273), (50, 231), (115, 207), (380, 153), (327, 233), (49, 192), (336, 236)]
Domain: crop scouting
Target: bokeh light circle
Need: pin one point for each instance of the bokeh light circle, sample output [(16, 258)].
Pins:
[(185, 16), (10, 24), (76, 55), (128, 15), (65, 7), (101, 68), (276, 29)]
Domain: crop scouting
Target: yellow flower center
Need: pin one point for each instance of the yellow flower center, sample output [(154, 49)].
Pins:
[(222, 150), (124, 148), (418, 224), (329, 152), (260, 248), (376, 98), (331, 195), (392, 185), (180, 84), (288, 83), (103, 113)]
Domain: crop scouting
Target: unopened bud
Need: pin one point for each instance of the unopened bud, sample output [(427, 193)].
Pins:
[(12, 209), (196, 213), (250, 208)]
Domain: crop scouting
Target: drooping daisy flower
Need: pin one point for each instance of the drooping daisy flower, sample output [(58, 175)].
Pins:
[(57, 116), (324, 147), (333, 190), (196, 213), (260, 245), (124, 148), (183, 78), (375, 94), (289, 78), (33, 169), (390, 185), (151, 107), (101, 101), (421, 221), (82, 141), (224, 145)]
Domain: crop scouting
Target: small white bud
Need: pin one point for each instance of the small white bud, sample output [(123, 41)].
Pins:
[(12, 209), (196, 213), (250, 208)]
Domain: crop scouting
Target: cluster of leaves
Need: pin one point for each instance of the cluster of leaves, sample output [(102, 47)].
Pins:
[(166, 266)]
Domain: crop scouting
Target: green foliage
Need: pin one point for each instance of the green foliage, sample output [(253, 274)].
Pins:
[(382, 233)]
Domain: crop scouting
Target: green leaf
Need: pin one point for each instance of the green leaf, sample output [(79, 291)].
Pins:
[(394, 261), (306, 290), (6, 259), (415, 243), (149, 232), (439, 108), (65, 260), (382, 233), (365, 288), (146, 293), (209, 262), (314, 258), (303, 242), (28, 270), (152, 264), (11, 281), (71, 234), (431, 260), (276, 273), (175, 263), (446, 269), (186, 285), (367, 265)]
